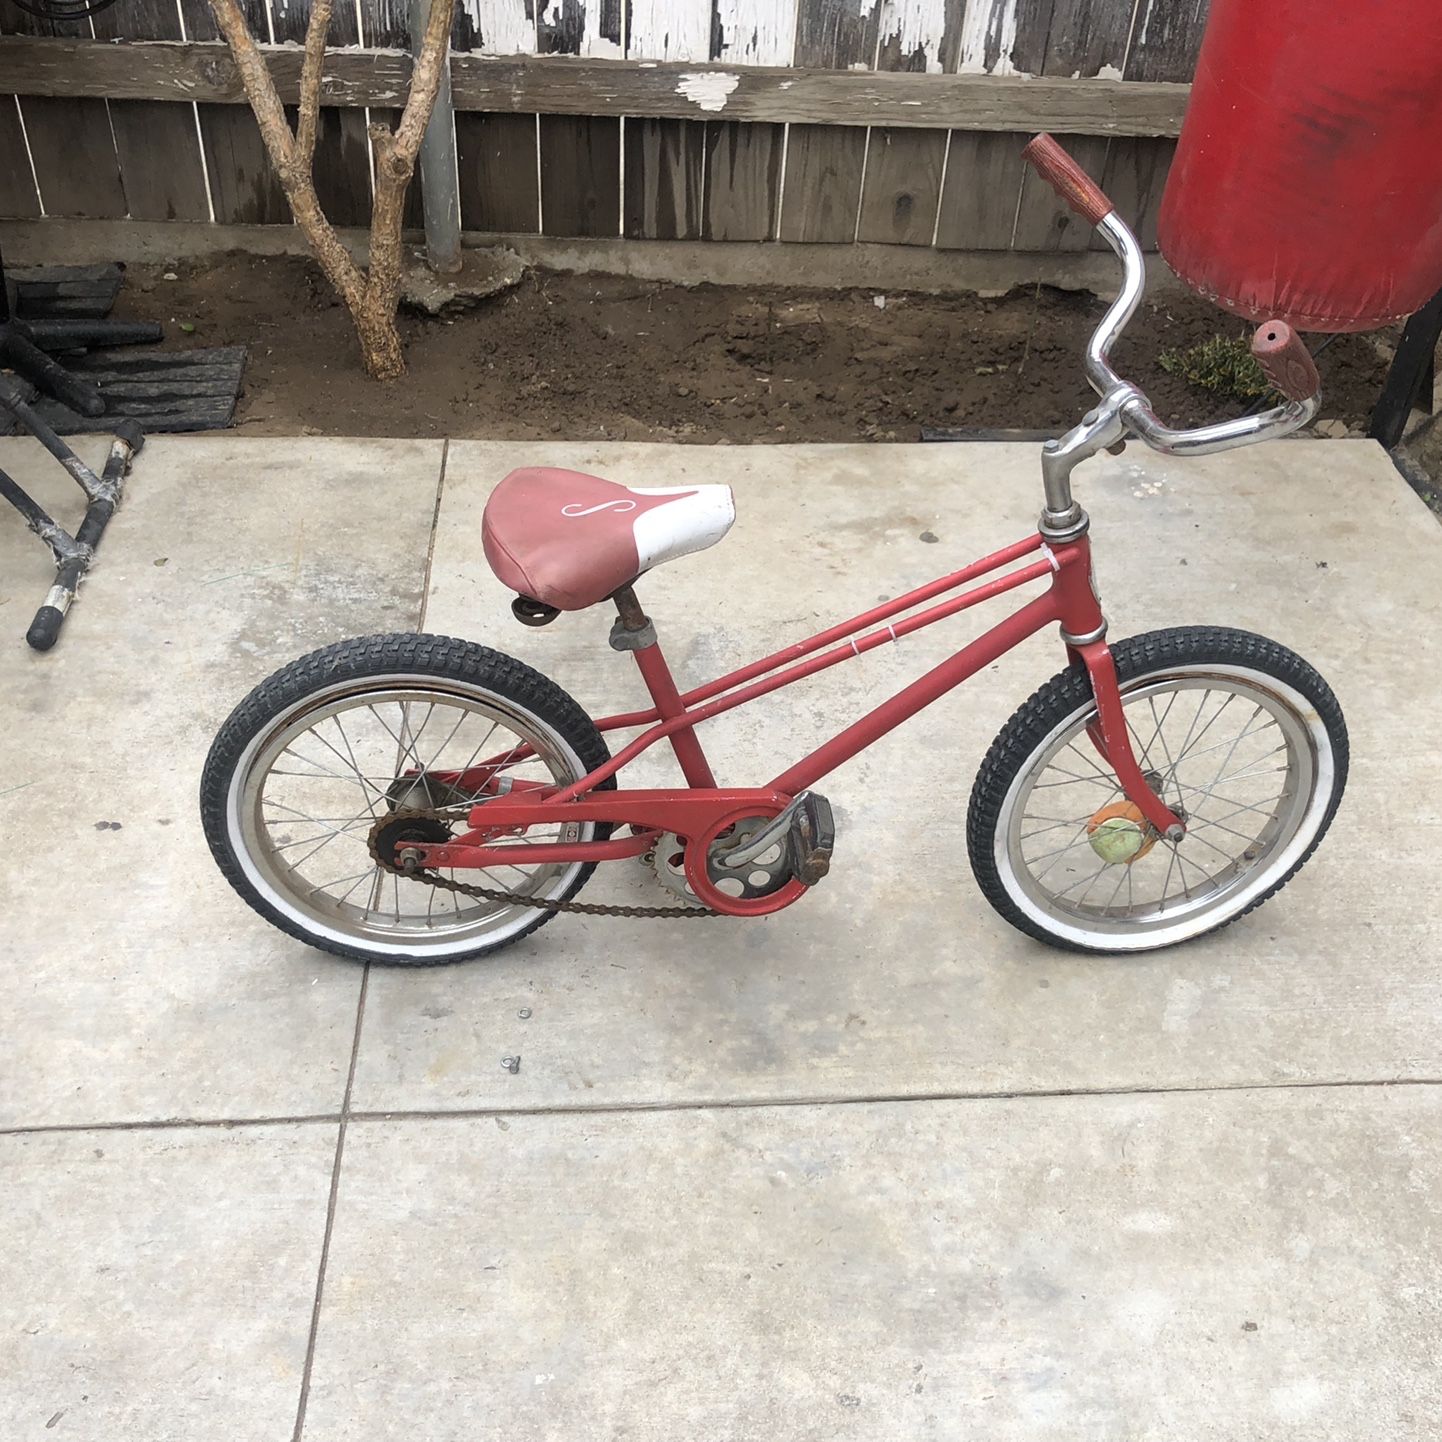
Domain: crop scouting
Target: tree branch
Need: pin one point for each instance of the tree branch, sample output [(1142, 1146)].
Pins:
[(294, 170), (434, 56), (395, 154), (310, 75)]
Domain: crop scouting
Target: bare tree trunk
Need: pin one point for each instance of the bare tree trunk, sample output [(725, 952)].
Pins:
[(371, 296)]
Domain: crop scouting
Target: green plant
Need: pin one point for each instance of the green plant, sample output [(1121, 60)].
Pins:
[(1223, 364)]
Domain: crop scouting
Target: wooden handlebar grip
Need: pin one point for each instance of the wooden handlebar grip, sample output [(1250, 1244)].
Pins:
[(1285, 361), (1075, 187)]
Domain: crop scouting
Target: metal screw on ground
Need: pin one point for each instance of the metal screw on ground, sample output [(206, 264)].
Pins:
[(511, 1063)]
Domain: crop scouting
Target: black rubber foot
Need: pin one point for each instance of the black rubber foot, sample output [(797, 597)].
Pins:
[(45, 628)]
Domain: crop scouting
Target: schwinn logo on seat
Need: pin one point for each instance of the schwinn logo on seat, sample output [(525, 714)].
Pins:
[(575, 510)]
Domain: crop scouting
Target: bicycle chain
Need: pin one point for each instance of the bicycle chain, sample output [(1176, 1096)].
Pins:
[(513, 898)]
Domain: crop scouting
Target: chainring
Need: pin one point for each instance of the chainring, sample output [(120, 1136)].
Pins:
[(763, 876)]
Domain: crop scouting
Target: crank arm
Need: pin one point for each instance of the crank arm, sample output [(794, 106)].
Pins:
[(774, 831)]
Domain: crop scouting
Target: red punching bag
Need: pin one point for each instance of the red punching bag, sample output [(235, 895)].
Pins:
[(1307, 184)]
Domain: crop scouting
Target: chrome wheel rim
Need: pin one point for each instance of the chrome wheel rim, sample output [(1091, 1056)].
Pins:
[(311, 785), (1245, 757)]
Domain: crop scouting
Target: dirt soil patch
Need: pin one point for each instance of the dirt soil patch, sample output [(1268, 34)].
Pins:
[(606, 358)]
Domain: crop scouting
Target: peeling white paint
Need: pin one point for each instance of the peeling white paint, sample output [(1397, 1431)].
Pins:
[(669, 30), (707, 89), (914, 25), (988, 20), (756, 32), (594, 45), (503, 25)]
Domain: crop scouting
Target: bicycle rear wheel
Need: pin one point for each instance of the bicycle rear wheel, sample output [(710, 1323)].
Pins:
[(1237, 734), (304, 777)]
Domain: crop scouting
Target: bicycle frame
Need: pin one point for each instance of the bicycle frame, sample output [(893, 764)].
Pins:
[(702, 808)]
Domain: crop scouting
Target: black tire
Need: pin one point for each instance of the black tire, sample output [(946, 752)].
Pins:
[(1140, 660), (442, 657)]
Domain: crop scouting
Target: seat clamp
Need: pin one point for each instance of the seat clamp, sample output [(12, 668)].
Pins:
[(624, 639)]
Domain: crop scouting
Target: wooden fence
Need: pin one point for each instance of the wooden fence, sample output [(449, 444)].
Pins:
[(895, 121)]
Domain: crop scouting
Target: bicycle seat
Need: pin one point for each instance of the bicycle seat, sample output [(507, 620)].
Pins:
[(568, 540)]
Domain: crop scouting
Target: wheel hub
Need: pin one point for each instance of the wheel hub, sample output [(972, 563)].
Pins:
[(392, 837), (1120, 834)]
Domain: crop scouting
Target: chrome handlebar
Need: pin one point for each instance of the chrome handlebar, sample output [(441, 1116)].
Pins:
[(1140, 418), (1124, 411)]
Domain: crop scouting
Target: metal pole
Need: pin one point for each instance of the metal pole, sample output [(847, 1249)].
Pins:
[(1411, 367), (439, 198)]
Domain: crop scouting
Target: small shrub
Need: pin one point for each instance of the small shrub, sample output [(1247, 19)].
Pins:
[(1223, 365)]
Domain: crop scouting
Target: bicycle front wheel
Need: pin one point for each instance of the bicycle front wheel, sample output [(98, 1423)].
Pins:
[(1237, 734)]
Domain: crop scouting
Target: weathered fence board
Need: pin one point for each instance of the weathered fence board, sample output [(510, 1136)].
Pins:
[(343, 166), (920, 35), (754, 32), (158, 71), (499, 179), (18, 195), (74, 155), (979, 196), (669, 30), (244, 188), (902, 189), (580, 175), (1166, 37), (821, 189), (157, 144), (665, 170), (157, 147), (743, 180), (1135, 172)]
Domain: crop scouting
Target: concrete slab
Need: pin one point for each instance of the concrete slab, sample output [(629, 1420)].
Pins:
[(1221, 1267), (895, 978), (135, 985), (159, 1284)]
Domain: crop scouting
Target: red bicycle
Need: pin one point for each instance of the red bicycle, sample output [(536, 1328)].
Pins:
[(1156, 789)]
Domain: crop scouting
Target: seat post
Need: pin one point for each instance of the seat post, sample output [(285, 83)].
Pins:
[(632, 631)]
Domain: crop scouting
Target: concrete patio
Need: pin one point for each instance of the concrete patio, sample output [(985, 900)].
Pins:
[(875, 1167)]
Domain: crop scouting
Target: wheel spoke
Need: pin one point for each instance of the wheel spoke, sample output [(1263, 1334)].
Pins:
[(1081, 755), (1159, 734), (1071, 778), (1192, 835), (1218, 745), (1167, 883), (350, 758), (1231, 696), (305, 840)]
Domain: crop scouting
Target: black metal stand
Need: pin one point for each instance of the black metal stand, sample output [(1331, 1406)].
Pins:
[(1410, 372), (20, 352), (73, 554)]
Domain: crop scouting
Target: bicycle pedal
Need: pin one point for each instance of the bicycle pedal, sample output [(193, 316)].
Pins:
[(810, 840)]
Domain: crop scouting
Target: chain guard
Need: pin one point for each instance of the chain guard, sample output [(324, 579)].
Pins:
[(412, 817)]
